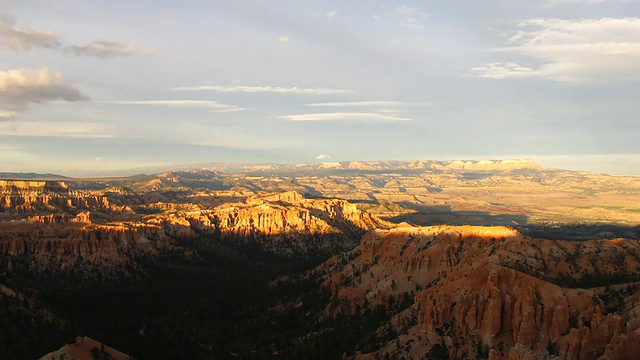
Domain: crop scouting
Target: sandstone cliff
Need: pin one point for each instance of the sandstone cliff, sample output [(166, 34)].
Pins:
[(45, 198), (492, 292), (85, 348), (282, 225)]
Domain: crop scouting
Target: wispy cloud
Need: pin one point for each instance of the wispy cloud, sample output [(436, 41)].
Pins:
[(7, 115), (552, 3), (283, 39), (20, 87), (332, 13), (345, 116), (505, 70), (106, 49), (412, 17), (263, 89), (53, 129), (203, 104), (362, 104), (24, 40), (323, 157), (603, 50)]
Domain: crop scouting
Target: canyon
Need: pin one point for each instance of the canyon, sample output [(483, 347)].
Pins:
[(364, 260)]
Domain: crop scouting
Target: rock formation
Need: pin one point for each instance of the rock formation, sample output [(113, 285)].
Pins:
[(492, 292), (282, 224), (85, 348)]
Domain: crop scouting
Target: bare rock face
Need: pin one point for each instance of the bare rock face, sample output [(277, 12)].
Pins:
[(86, 348), (494, 293), (37, 197), (84, 250), (283, 224)]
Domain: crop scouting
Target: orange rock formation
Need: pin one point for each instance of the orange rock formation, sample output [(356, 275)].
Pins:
[(492, 292)]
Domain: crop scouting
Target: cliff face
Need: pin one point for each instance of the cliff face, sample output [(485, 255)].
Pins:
[(284, 225), (85, 348), (37, 197), (492, 292), (87, 252)]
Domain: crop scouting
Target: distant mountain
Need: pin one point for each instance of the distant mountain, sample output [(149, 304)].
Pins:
[(31, 176), (387, 165)]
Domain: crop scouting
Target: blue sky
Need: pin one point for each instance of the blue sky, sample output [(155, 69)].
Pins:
[(91, 86)]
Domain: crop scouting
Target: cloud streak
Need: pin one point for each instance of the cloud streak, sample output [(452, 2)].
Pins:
[(7, 115), (202, 104), (24, 40), (21, 87), (346, 116), (263, 89), (363, 104), (108, 49), (605, 50), (552, 3), (53, 129)]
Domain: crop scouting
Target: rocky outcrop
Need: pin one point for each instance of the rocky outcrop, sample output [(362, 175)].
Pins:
[(85, 348), (492, 292), (88, 251), (283, 225), (287, 212), (34, 197)]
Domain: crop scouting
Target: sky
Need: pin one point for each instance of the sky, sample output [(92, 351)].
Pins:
[(93, 87)]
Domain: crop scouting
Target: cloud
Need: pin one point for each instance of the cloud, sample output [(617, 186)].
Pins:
[(19, 88), (346, 116), (552, 3), (25, 40), (7, 115), (332, 13), (263, 89), (53, 129), (106, 49), (205, 104), (323, 157), (361, 103), (505, 70), (603, 50), (283, 39), (412, 17)]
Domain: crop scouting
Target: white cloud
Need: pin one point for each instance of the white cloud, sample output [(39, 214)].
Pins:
[(263, 89), (283, 39), (20, 87), (412, 17), (105, 49), (603, 50), (332, 13), (505, 70), (205, 104), (361, 103), (323, 157), (347, 116), (24, 40), (7, 114)]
